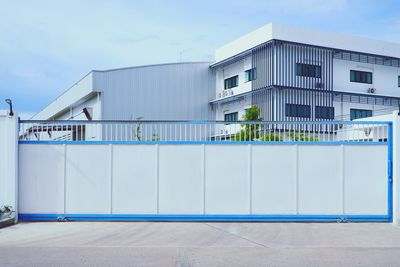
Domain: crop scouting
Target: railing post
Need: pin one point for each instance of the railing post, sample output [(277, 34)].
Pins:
[(9, 161)]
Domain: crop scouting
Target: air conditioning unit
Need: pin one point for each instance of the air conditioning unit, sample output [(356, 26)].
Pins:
[(227, 92), (371, 90)]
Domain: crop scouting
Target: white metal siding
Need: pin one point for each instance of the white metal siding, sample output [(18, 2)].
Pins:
[(178, 91)]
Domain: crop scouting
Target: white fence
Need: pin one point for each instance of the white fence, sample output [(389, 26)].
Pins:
[(204, 181), (201, 131)]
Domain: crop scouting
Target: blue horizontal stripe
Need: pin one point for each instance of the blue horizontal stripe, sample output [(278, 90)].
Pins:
[(201, 217), (193, 143)]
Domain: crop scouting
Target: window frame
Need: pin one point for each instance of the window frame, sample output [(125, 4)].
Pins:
[(308, 70), (236, 114), (297, 110), (320, 111), (228, 82), (250, 75), (369, 111), (356, 76)]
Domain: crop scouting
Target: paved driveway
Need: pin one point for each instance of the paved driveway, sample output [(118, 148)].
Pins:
[(199, 244)]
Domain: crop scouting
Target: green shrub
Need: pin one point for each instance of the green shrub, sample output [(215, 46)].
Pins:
[(302, 137), (271, 137), (138, 131), (249, 132)]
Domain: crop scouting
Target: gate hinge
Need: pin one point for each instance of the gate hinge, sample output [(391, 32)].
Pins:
[(342, 220), (62, 219)]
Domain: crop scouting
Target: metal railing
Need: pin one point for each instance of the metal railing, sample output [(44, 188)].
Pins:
[(202, 131)]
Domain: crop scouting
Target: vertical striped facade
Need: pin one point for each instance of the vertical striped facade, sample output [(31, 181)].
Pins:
[(287, 55), (262, 59), (278, 84)]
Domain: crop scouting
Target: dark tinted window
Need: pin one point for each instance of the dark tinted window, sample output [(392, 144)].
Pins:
[(360, 76), (231, 116), (250, 75), (295, 110), (360, 113), (232, 82), (324, 112), (308, 70)]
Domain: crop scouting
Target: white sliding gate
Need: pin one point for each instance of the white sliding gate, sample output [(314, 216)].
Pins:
[(207, 180)]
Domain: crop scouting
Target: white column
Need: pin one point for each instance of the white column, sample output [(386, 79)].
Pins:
[(9, 160), (396, 168)]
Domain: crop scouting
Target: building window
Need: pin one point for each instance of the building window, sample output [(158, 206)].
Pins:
[(324, 112), (231, 116), (360, 76), (295, 110), (398, 81), (232, 82), (360, 113), (250, 75), (308, 70)]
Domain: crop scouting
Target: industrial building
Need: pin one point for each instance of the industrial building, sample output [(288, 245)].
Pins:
[(290, 73), (152, 142)]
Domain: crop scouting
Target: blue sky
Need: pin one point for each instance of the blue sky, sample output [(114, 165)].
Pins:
[(46, 46)]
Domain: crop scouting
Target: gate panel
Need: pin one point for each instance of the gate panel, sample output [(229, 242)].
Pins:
[(290, 172), (365, 182), (87, 179), (41, 186), (227, 183), (274, 179), (134, 179), (180, 179), (320, 180)]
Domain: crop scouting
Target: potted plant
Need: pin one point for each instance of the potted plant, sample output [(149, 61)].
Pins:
[(6, 212)]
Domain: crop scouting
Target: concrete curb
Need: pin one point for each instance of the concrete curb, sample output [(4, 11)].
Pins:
[(6, 222)]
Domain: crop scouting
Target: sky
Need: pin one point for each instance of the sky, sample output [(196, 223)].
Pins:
[(47, 46)]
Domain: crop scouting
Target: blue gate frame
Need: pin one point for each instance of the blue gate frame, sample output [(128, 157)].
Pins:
[(229, 217)]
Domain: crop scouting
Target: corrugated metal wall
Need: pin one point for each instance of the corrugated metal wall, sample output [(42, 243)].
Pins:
[(178, 91), (277, 83)]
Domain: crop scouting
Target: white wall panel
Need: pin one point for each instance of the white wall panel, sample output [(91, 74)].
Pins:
[(365, 187), (227, 179), (319, 179), (41, 179), (210, 179), (88, 186), (274, 179), (134, 179), (180, 179)]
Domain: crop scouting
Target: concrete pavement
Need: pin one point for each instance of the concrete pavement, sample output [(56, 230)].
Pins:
[(199, 244)]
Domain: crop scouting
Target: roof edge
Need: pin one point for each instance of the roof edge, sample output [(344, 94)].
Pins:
[(155, 65)]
